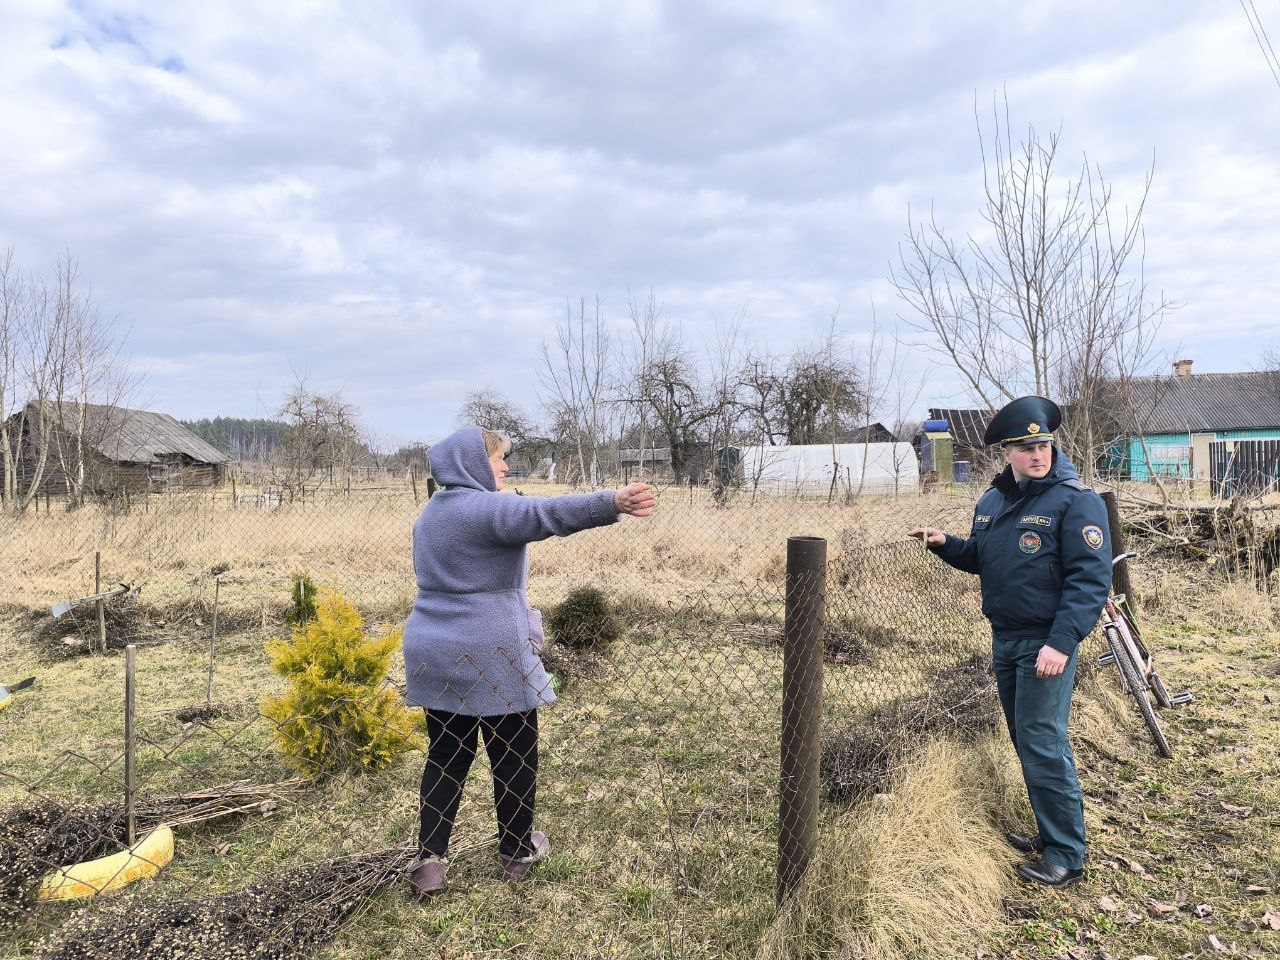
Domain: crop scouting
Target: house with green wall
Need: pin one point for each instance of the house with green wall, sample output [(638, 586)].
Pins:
[(1180, 415)]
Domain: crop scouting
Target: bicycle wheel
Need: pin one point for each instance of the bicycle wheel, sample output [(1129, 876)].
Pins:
[(1136, 685)]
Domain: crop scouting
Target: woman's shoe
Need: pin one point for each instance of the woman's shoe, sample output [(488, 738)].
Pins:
[(517, 868), (429, 877)]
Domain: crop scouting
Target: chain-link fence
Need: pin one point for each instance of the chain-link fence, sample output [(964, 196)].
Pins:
[(657, 770)]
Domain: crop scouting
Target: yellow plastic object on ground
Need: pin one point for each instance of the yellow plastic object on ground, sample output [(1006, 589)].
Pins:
[(6, 701), (93, 878)]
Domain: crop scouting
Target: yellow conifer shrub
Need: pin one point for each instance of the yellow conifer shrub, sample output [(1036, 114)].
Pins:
[(337, 714)]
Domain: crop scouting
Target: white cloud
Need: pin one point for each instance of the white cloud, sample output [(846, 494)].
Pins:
[(400, 197)]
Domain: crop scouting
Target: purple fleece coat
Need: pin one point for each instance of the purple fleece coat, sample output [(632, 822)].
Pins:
[(469, 644)]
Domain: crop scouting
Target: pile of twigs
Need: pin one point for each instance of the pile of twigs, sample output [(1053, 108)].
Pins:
[(958, 701), (1237, 536), (37, 837), (76, 632), (224, 800), (290, 915)]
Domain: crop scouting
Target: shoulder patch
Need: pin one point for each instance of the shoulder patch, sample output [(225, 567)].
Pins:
[(1094, 538)]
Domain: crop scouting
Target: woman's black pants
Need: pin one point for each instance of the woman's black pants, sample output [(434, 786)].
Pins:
[(511, 740)]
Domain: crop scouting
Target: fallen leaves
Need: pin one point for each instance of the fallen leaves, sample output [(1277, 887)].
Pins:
[(1271, 920), (1238, 811)]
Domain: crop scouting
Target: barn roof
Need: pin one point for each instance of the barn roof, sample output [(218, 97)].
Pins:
[(1203, 402), (967, 426), (140, 436), (651, 454)]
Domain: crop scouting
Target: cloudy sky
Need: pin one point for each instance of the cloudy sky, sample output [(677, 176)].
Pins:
[(398, 197)]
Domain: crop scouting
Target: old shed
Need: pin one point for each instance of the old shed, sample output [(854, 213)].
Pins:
[(118, 450)]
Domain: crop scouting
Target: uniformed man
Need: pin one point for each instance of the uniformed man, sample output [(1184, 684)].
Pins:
[(1040, 544)]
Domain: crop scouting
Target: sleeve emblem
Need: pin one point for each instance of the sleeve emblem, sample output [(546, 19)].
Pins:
[(1093, 536)]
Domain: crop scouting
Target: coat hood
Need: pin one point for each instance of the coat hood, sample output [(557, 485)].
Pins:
[(460, 460), (1062, 469)]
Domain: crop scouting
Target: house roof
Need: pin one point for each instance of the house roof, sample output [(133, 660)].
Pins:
[(140, 436), (651, 454), (967, 426), (1203, 402), (873, 433)]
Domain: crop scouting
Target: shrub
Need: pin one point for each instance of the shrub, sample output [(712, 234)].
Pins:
[(336, 714), (584, 620), (303, 600)]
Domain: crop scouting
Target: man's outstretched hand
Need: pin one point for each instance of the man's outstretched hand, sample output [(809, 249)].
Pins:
[(930, 535)]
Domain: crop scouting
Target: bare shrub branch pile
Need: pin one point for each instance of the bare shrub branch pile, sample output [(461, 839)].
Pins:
[(289, 915), (37, 837), (958, 702)]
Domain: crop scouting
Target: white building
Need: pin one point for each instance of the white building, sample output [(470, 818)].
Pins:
[(807, 471)]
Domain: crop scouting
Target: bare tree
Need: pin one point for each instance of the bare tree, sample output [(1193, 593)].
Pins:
[(90, 383), (814, 396), (1052, 298), (575, 377), (671, 390), (887, 391), (647, 335), (491, 410), (321, 437), (62, 383)]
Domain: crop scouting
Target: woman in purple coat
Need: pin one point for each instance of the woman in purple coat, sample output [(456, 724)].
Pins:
[(472, 644)]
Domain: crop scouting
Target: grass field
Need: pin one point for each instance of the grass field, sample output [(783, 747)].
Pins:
[(659, 777)]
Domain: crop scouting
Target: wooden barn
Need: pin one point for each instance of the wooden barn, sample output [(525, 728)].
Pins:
[(124, 450)]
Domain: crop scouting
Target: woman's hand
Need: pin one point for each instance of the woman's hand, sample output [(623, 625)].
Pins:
[(635, 500), (930, 535)]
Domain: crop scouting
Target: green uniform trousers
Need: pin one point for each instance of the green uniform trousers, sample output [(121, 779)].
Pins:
[(1036, 712)]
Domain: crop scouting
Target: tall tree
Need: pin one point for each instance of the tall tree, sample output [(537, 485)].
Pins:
[(814, 396), (321, 438), (491, 410), (63, 381), (575, 376), (1050, 298)]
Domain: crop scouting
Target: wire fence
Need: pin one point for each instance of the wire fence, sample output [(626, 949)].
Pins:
[(657, 770)]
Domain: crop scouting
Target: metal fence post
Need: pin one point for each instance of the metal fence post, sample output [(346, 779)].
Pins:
[(1120, 581), (801, 708), (130, 742)]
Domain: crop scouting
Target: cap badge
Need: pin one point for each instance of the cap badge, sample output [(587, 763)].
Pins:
[(1033, 428)]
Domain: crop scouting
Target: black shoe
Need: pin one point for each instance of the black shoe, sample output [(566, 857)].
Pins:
[(1025, 844), (1050, 874)]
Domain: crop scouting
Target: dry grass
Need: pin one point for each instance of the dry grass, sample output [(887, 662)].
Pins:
[(659, 763), (690, 547), (918, 872)]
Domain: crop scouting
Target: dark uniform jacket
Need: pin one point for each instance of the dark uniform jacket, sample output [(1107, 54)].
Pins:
[(1043, 551)]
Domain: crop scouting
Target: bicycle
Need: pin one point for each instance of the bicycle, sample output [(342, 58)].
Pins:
[(1138, 674)]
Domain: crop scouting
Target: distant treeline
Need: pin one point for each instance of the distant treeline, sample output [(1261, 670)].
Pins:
[(258, 440), (240, 438)]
